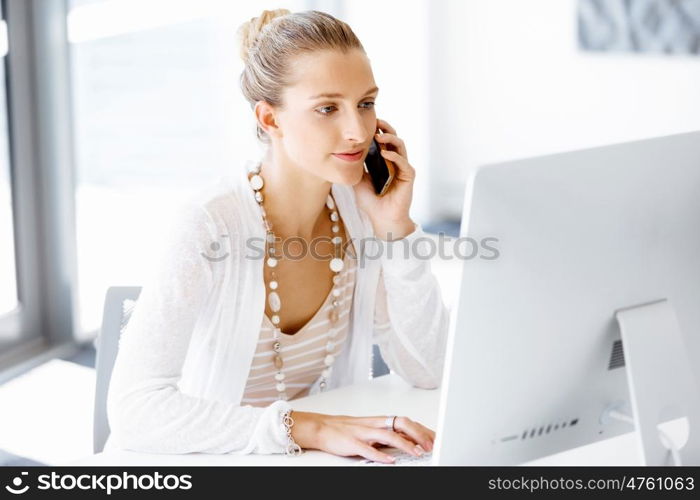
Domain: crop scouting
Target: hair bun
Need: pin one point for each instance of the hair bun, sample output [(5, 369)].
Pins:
[(249, 31)]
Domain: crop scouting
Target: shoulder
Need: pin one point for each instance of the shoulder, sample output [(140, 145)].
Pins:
[(221, 205), (206, 221)]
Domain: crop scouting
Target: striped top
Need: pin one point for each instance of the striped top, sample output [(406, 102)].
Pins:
[(303, 353)]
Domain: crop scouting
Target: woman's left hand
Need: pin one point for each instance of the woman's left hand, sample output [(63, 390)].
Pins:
[(389, 213)]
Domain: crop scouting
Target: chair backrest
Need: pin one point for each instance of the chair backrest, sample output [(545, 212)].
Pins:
[(379, 366), (119, 302)]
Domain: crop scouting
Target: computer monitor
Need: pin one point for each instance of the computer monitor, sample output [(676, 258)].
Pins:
[(591, 303)]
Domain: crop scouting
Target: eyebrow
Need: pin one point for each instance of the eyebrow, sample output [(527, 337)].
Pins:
[(335, 94)]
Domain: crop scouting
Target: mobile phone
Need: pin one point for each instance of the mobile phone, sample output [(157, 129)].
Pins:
[(381, 171)]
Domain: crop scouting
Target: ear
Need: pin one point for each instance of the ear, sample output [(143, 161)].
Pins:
[(265, 116)]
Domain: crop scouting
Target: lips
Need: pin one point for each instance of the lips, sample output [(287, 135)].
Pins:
[(349, 157)]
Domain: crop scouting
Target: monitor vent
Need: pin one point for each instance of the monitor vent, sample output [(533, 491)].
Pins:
[(545, 429), (617, 356)]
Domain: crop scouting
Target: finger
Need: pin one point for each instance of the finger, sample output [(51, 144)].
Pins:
[(406, 171), (417, 432), (392, 438), (375, 422), (428, 443), (373, 454), (428, 436), (424, 441), (403, 435), (425, 429), (394, 141), (401, 426), (384, 125)]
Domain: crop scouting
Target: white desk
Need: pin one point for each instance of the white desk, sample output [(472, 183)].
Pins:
[(381, 396)]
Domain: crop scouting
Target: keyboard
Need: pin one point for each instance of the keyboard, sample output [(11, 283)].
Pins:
[(402, 458)]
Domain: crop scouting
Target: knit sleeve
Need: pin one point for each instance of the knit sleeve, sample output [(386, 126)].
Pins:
[(146, 410), (411, 320)]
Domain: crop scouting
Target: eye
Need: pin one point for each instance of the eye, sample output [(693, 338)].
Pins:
[(327, 110), (321, 110)]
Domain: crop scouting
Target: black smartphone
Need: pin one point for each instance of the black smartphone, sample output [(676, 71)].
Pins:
[(381, 171)]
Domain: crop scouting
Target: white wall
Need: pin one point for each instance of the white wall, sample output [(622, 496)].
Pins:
[(394, 34), (509, 82)]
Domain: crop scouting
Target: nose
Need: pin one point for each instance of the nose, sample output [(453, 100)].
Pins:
[(355, 129)]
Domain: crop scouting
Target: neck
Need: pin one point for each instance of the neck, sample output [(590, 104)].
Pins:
[(294, 199)]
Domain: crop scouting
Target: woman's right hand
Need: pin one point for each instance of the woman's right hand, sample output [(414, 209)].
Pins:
[(348, 436)]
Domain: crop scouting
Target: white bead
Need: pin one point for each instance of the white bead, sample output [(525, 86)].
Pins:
[(273, 285), (329, 202), (270, 237), (275, 302), (281, 387), (335, 228), (329, 346), (336, 279), (333, 333), (326, 373), (275, 319), (271, 261), (336, 292), (337, 265), (334, 216), (258, 197), (337, 240), (329, 360), (256, 182)]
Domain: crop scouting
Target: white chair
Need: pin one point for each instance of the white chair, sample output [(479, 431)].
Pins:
[(119, 302)]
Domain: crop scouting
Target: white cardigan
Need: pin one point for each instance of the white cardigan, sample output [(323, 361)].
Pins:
[(185, 355)]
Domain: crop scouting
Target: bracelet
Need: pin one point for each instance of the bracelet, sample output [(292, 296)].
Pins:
[(292, 448)]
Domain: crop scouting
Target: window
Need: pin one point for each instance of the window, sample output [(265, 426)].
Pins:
[(158, 114), (8, 282)]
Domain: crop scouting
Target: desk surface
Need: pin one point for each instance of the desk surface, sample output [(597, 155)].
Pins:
[(384, 395)]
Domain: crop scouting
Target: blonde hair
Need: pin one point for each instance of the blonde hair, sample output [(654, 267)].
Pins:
[(268, 43)]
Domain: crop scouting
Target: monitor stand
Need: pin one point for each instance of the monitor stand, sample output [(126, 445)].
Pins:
[(660, 378)]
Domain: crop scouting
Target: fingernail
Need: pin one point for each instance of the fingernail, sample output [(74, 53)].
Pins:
[(391, 459), (419, 449)]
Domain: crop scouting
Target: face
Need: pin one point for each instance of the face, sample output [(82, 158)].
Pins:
[(313, 128)]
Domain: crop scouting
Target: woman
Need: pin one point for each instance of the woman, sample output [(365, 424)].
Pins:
[(221, 338)]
